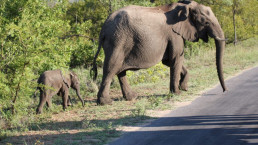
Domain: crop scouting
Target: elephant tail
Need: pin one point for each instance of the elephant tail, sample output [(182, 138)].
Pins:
[(94, 70), (35, 92), (38, 88)]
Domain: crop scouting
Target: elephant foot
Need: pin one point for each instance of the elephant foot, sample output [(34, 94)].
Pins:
[(69, 103), (104, 101), (177, 92), (184, 87), (83, 103), (130, 96), (38, 111), (64, 108)]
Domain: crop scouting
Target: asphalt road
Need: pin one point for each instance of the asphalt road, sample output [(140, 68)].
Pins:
[(215, 118)]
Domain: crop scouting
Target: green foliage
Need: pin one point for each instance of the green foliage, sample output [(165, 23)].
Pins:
[(155, 101), (163, 2), (29, 46), (140, 108), (136, 77), (195, 48)]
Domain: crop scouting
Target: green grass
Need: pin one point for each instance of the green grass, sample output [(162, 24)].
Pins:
[(97, 124)]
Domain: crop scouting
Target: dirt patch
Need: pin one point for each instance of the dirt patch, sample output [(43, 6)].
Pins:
[(67, 116)]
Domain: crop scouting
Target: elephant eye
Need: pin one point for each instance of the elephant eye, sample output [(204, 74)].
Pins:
[(194, 11), (207, 24)]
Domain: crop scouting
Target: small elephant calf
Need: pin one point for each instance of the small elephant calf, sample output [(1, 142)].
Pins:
[(55, 83)]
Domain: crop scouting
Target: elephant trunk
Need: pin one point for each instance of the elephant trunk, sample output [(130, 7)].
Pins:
[(220, 46), (78, 94)]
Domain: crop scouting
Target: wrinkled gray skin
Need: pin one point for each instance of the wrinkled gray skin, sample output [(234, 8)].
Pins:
[(56, 83), (136, 37)]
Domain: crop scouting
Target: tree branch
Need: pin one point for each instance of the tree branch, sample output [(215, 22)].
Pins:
[(77, 35)]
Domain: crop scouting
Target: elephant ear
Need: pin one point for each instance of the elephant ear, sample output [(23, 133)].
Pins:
[(65, 82), (183, 25), (73, 76)]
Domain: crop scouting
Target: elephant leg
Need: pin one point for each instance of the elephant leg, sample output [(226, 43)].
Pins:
[(128, 94), (112, 64), (49, 102), (103, 94), (43, 99), (65, 99), (175, 71), (69, 101), (61, 94), (184, 79)]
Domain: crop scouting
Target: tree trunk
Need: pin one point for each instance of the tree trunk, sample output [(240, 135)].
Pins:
[(234, 23), (110, 7)]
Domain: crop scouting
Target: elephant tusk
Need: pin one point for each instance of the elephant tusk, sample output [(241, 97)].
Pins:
[(221, 39)]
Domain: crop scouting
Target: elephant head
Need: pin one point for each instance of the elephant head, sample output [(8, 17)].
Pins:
[(75, 84), (194, 21)]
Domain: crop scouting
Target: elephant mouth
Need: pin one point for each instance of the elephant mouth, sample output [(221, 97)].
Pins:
[(203, 34), (205, 38)]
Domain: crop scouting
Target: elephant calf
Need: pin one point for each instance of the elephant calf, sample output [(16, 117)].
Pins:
[(55, 83)]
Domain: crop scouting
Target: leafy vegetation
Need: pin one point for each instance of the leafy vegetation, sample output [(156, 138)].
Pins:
[(40, 35)]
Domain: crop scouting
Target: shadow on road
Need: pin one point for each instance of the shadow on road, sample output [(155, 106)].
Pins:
[(196, 130)]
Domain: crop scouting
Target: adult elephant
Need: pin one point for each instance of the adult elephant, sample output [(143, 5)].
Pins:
[(136, 37), (54, 82)]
